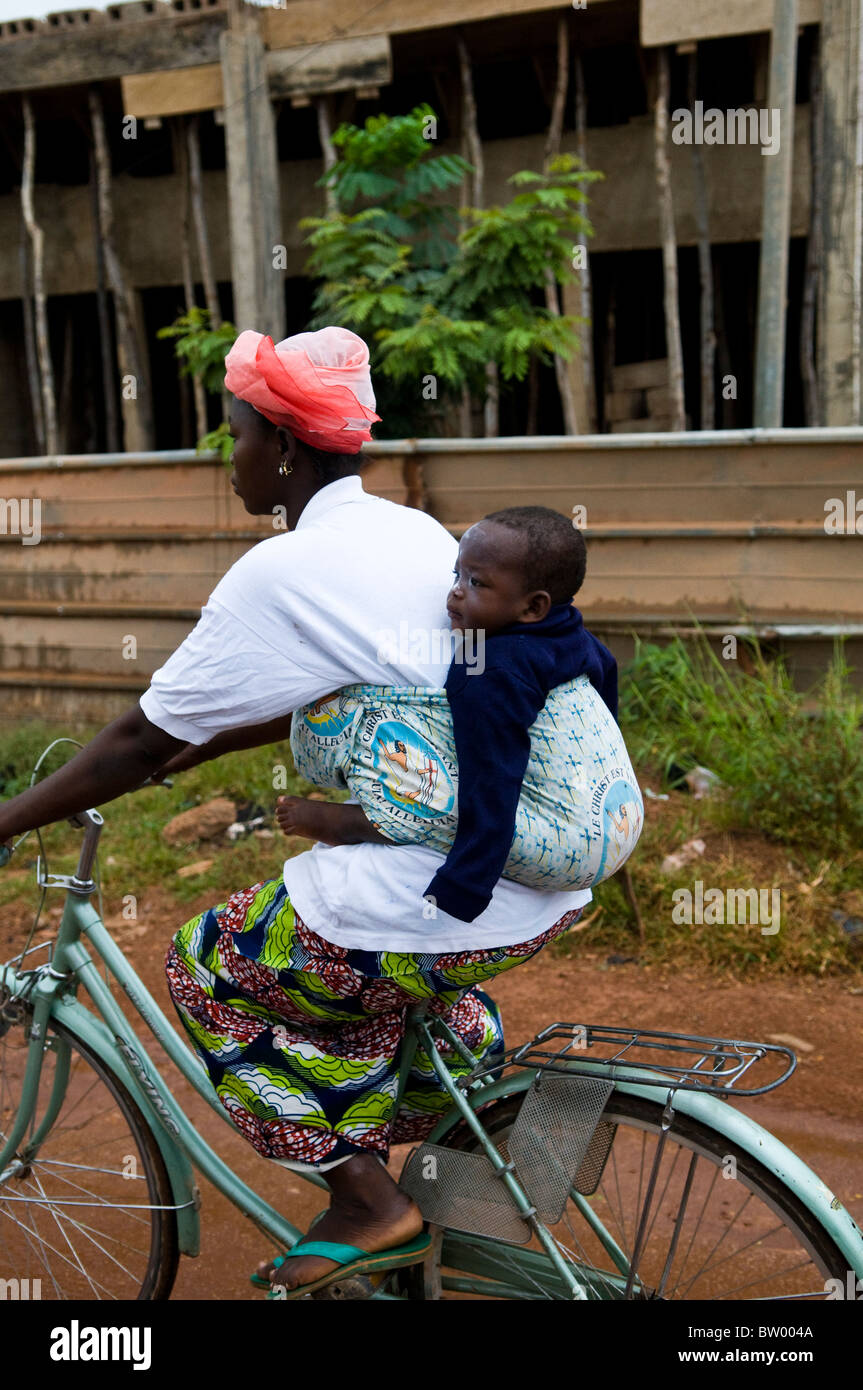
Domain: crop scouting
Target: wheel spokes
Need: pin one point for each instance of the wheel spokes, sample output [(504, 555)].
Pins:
[(700, 1241)]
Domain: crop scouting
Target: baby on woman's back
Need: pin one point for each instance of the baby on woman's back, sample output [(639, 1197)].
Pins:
[(516, 574)]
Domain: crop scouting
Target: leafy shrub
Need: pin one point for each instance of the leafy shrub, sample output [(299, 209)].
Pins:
[(792, 762)]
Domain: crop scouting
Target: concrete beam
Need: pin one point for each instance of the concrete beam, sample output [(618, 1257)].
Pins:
[(143, 42), (30, 61), (331, 67), (328, 67), (316, 21), (679, 21)]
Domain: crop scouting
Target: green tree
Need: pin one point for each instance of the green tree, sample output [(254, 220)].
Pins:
[(438, 293), (377, 259), (496, 279), (389, 162)]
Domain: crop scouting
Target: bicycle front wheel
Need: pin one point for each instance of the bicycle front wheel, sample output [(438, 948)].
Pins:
[(85, 1211), (719, 1224)]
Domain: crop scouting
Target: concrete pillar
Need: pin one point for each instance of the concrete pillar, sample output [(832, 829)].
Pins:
[(253, 178), (776, 223), (583, 391), (136, 397), (841, 214)]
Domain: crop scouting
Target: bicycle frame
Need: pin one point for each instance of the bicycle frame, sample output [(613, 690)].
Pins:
[(52, 991)]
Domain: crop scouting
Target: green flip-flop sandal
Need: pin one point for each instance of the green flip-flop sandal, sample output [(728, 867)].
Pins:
[(258, 1280), (351, 1260)]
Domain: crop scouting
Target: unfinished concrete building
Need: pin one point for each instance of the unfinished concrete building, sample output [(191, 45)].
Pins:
[(263, 88), (222, 116)]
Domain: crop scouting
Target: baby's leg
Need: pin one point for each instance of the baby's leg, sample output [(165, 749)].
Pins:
[(331, 822)]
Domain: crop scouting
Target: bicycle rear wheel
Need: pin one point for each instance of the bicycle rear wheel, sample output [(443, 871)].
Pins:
[(720, 1225), (83, 1212)]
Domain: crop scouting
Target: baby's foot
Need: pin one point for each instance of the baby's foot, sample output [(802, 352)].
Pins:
[(316, 820)]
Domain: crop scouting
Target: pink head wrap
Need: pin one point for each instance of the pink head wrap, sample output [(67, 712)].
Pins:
[(317, 385)]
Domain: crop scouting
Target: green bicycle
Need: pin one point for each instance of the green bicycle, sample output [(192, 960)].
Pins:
[(591, 1163)]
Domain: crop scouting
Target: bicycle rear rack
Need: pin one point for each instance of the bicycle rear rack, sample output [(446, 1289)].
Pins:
[(675, 1061), (559, 1142)]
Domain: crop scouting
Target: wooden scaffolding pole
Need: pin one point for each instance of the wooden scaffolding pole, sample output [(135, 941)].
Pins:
[(552, 294), (491, 409), (182, 139), (33, 386), (814, 246), (129, 348), (106, 347), (43, 348), (669, 244), (324, 108), (585, 297), (705, 262), (202, 236)]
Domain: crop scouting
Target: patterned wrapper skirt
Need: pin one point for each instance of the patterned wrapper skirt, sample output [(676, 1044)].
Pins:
[(302, 1039)]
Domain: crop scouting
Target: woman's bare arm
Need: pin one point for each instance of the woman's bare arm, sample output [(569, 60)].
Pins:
[(231, 741), (121, 757), (117, 760)]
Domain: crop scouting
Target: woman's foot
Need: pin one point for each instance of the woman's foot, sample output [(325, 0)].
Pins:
[(367, 1210)]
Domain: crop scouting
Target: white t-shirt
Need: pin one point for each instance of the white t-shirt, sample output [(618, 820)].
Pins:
[(355, 593)]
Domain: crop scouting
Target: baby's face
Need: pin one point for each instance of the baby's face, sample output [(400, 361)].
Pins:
[(489, 589)]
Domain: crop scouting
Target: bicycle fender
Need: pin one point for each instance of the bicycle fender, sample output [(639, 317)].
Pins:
[(738, 1128), (95, 1033)]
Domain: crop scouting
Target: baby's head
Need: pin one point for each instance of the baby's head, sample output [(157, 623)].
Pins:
[(512, 566)]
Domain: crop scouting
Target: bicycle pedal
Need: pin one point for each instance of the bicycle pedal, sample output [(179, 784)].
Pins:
[(461, 1191)]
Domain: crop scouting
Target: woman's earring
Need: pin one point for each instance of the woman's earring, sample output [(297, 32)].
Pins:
[(282, 469)]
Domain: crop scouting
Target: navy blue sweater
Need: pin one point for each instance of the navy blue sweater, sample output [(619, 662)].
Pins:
[(492, 712)]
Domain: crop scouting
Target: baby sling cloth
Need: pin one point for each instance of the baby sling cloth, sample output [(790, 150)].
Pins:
[(580, 811)]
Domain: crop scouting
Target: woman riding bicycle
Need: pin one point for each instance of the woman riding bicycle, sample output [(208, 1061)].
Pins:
[(295, 991)]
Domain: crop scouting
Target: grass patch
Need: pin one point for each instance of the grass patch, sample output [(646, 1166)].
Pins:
[(791, 763), (789, 814)]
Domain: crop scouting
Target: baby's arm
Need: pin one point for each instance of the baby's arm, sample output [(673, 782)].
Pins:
[(331, 822)]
